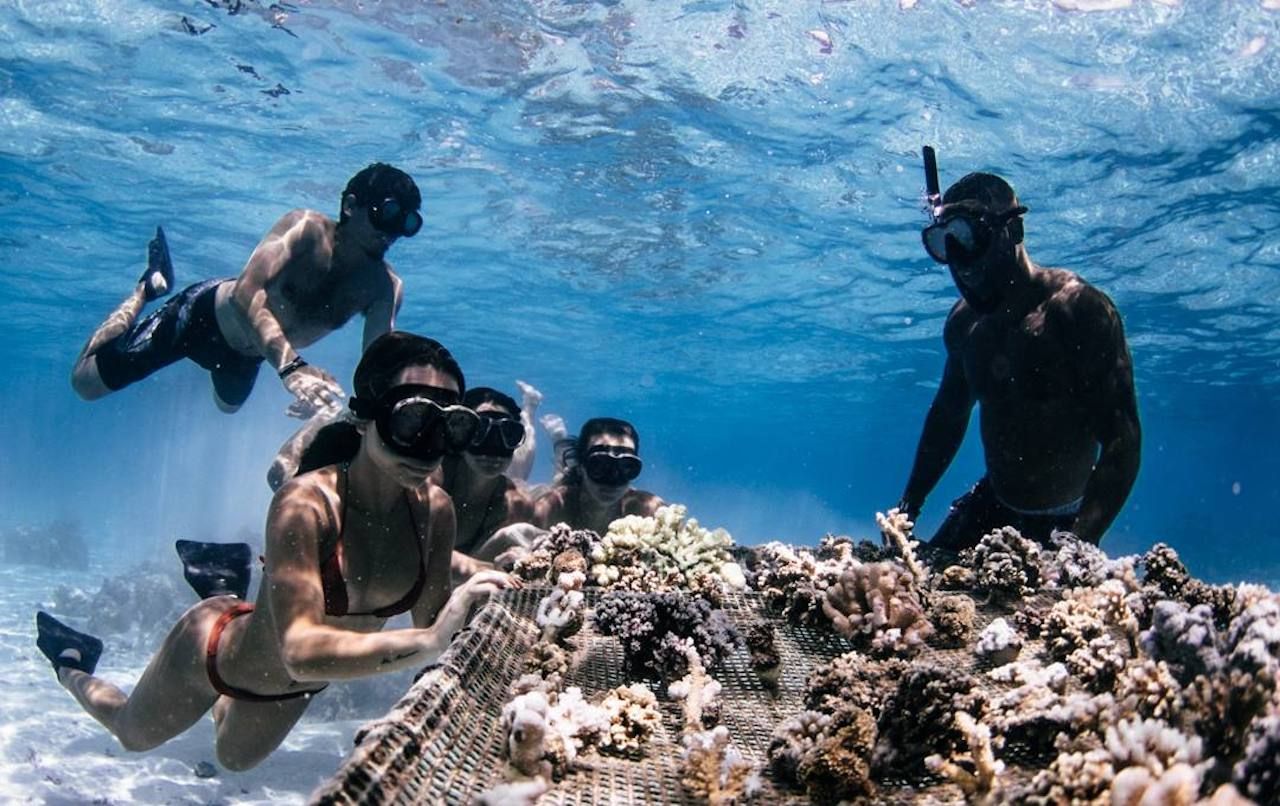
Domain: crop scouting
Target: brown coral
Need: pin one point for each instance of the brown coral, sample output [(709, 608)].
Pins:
[(876, 606)]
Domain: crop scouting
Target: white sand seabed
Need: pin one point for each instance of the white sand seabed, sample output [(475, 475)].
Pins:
[(52, 752)]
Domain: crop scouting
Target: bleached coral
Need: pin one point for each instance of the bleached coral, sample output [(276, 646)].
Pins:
[(1005, 565), (515, 793), (560, 613), (697, 692), (998, 643), (712, 768), (546, 732), (877, 607), (633, 717), (1040, 712), (977, 775), (664, 551)]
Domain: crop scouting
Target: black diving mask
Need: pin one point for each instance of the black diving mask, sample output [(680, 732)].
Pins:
[(393, 218), (497, 435), (963, 235), (611, 469), (419, 421)]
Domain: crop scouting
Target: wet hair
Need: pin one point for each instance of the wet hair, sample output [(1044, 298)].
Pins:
[(382, 181), (474, 398), (375, 374), (988, 190)]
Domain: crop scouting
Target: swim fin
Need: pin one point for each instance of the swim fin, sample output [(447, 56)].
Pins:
[(53, 638), (158, 278), (216, 569)]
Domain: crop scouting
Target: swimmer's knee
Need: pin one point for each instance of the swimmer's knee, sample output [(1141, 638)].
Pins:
[(232, 760), (224, 406), (86, 381), (138, 743)]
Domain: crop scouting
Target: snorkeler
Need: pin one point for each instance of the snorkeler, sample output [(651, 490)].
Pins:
[(485, 499), (597, 489), (362, 537), (1043, 354), (306, 278)]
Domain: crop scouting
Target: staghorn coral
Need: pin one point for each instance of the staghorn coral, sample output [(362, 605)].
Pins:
[(896, 530), (952, 619), (931, 695), (698, 694), (998, 643), (713, 769), (652, 627), (875, 605), (855, 679), (978, 775), (1006, 566), (664, 551), (765, 659), (633, 718), (837, 767)]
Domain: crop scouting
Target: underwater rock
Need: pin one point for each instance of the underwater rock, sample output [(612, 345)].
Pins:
[(60, 544), (204, 769), (136, 608)]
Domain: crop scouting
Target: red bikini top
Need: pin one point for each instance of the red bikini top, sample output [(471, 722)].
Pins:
[(335, 586)]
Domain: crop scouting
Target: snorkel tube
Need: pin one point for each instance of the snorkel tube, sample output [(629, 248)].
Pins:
[(933, 193)]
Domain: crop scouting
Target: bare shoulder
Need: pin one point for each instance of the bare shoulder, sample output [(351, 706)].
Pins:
[(960, 322), (435, 497), (300, 510), (1074, 300), (640, 502)]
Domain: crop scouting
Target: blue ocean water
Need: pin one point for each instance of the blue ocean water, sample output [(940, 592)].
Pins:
[(701, 216)]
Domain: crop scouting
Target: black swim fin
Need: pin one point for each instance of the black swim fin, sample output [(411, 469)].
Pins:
[(53, 638), (158, 263), (216, 569)]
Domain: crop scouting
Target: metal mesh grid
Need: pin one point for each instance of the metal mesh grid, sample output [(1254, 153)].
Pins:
[(442, 742)]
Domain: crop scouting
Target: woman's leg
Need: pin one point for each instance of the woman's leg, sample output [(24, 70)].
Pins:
[(522, 462), (172, 693), (248, 732)]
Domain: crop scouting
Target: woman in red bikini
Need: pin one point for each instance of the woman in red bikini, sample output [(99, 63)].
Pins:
[(337, 541)]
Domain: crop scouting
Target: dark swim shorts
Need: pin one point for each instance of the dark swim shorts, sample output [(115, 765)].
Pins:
[(980, 511), (184, 327)]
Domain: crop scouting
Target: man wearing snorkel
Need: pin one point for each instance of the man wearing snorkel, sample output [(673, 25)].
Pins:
[(1043, 354), (306, 278)]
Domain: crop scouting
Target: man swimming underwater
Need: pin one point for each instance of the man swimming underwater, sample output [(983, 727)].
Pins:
[(1043, 353), (306, 278)]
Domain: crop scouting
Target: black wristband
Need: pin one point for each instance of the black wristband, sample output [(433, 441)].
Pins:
[(297, 363)]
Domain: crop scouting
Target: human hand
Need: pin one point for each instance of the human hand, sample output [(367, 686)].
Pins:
[(532, 397), (315, 390), (474, 592)]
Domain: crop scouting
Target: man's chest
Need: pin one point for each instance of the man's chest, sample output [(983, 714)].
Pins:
[(1027, 359)]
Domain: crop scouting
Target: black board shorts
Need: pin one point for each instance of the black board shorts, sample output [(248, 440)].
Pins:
[(980, 511), (184, 327)]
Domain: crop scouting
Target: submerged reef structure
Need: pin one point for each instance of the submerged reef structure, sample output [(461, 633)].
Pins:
[(1073, 679)]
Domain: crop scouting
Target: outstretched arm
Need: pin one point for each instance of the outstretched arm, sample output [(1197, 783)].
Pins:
[(1113, 408), (293, 236), (313, 650), (380, 316), (944, 429), (522, 461)]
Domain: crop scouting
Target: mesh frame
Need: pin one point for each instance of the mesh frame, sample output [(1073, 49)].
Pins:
[(442, 743)]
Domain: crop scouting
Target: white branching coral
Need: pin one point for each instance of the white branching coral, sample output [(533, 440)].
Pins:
[(665, 551), (896, 529), (978, 774), (998, 643), (698, 693), (546, 732), (876, 606), (1184, 638), (560, 613), (633, 718)]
